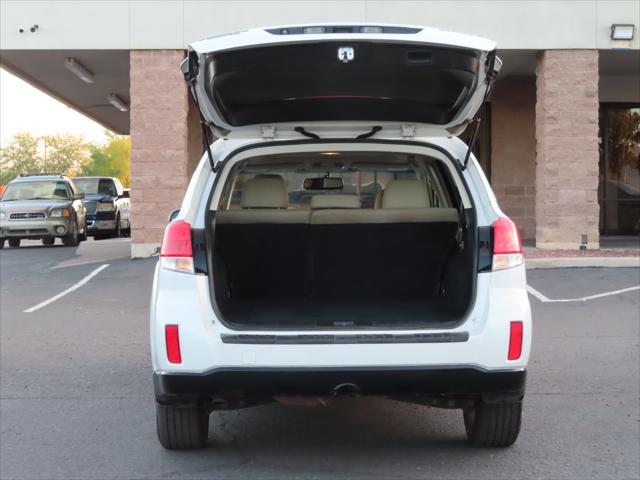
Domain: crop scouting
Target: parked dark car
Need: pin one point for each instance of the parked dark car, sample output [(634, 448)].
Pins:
[(107, 204)]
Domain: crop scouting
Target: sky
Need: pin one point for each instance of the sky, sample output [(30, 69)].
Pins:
[(24, 108)]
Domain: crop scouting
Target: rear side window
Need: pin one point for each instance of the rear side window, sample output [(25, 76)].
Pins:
[(353, 179)]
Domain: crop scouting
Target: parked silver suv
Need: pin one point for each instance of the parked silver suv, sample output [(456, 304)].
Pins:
[(42, 206)]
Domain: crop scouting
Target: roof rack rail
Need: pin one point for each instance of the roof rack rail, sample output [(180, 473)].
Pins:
[(43, 174)]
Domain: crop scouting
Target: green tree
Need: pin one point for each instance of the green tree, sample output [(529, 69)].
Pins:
[(65, 153), (111, 159), (19, 156), (26, 153)]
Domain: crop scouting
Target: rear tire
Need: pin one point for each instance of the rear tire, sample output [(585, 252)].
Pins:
[(181, 428), (14, 242), (48, 241), (493, 424), (1, 242), (73, 239), (117, 233)]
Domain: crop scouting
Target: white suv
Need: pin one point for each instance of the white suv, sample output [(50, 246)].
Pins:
[(337, 239)]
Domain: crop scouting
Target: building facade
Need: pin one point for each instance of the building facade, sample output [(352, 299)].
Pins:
[(560, 137)]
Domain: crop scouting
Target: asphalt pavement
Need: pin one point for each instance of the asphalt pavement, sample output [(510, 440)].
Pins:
[(76, 397)]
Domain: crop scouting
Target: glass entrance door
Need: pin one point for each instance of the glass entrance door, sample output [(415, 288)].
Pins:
[(619, 187)]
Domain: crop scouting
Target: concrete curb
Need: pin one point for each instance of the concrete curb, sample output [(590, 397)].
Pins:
[(575, 262)]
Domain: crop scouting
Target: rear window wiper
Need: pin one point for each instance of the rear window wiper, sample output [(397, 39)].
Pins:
[(306, 133), (370, 133)]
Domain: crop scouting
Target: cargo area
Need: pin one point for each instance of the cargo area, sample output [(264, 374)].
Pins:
[(391, 248)]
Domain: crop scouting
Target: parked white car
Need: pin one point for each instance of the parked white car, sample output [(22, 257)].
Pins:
[(338, 240)]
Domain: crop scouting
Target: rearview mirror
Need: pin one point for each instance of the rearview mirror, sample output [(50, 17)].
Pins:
[(323, 183), (174, 214), (125, 193)]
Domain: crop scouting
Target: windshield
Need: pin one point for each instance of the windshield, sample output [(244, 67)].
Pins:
[(37, 190), (93, 186)]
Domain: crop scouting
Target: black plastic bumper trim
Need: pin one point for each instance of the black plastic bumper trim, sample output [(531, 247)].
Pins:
[(259, 339), (245, 382)]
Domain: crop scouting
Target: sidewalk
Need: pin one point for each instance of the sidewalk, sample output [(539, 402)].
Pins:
[(606, 257)]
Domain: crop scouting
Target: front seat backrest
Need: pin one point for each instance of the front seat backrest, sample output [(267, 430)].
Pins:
[(264, 192), (335, 201), (406, 193)]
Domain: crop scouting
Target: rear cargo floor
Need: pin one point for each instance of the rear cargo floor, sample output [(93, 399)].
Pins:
[(296, 314)]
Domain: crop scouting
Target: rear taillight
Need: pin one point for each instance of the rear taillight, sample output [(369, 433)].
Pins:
[(507, 248), (515, 341), (176, 252), (172, 338)]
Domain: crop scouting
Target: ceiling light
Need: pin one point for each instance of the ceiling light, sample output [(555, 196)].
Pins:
[(117, 102), (329, 153), (78, 69), (622, 32)]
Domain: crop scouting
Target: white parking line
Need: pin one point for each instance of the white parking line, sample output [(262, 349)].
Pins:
[(543, 298), (68, 290)]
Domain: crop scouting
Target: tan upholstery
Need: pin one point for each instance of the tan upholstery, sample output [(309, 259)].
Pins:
[(406, 193), (271, 216), (264, 192), (392, 215), (379, 197), (335, 201)]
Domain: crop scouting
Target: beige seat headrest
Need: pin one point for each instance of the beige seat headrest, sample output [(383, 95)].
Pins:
[(406, 193), (264, 192), (335, 201)]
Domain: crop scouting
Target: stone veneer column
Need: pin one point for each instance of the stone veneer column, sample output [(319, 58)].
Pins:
[(161, 155), (567, 148), (513, 150)]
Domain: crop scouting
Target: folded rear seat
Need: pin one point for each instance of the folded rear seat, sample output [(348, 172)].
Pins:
[(263, 245), (392, 251)]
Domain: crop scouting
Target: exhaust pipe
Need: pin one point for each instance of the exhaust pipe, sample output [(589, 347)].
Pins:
[(342, 390), (346, 389)]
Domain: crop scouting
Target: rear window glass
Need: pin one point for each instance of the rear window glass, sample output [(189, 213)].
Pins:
[(92, 186), (36, 190), (364, 177)]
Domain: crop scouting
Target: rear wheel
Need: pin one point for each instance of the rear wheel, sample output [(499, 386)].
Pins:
[(126, 232), (1, 242), (14, 242), (493, 424), (181, 427), (73, 238), (117, 233), (48, 240)]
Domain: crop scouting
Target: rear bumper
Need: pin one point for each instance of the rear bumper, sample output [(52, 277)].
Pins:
[(443, 382)]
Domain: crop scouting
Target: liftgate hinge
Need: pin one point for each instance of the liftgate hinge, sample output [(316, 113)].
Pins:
[(268, 131)]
